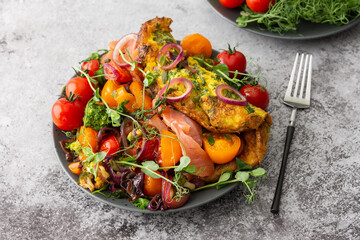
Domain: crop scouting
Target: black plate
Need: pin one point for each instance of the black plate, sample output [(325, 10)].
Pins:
[(306, 30), (196, 198)]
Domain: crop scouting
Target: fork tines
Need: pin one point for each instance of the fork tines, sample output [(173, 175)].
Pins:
[(293, 96)]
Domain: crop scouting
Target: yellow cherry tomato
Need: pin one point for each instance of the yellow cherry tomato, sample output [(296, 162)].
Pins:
[(221, 148)]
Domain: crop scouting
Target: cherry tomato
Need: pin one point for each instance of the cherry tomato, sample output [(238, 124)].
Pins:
[(235, 60), (152, 186), (231, 3), (259, 6), (91, 66), (81, 87), (256, 95), (108, 93), (110, 145), (124, 74), (221, 148), (67, 115)]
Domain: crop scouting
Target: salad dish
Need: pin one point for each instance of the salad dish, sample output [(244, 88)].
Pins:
[(297, 24), (153, 124)]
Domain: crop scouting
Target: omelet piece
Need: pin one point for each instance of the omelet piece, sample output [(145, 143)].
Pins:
[(202, 104)]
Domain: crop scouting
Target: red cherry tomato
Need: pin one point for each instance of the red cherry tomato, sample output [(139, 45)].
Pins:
[(91, 66), (80, 87), (259, 6), (124, 74), (256, 95), (67, 114), (235, 60), (110, 145), (231, 3)]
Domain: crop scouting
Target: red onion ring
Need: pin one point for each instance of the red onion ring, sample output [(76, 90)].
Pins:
[(165, 49), (167, 199), (188, 84), (227, 100), (119, 46), (110, 72)]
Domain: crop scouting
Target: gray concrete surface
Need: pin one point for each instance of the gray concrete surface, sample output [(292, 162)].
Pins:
[(41, 40)]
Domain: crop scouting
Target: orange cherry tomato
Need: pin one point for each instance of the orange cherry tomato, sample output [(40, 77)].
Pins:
[(75, 168), (88, 137), (137, 89), (123, 95), (108, 93), (110, 145), (221, 148), (170, 149), (152, 186), (196, 44)]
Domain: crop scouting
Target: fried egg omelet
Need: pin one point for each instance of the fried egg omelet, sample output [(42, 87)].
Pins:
[(203, 105)]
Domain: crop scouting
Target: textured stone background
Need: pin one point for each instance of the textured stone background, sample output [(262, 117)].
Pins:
[(41, 40)]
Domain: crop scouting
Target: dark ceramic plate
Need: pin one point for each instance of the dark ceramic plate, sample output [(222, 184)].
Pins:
[(196, 198), (306, 30)]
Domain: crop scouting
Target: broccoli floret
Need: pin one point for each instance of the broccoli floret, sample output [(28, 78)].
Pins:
[(96, 117)]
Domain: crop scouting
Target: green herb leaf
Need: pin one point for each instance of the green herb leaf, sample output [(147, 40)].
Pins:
[(258, 172), (222, 68), (162, 60), (184, 162), (225, 176), (97, 95), (150, 165), (141, 203), (190, 169), (242, 176), (228, 137), (149, 79), (249, 109), (242, 165), (210, 140)]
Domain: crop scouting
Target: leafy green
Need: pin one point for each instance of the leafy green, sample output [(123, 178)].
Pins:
[(141, 203), (184, 162), (211, 140), (285, 15), (242, 165), (240, 176), (96, 55), (149, 168)]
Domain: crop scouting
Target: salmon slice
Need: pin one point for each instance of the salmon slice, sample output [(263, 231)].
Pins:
[(189, 133), (156, 122)]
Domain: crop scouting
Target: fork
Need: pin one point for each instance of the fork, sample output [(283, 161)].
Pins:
[(295, 99)]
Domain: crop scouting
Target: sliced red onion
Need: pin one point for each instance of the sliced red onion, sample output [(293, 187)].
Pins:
[(126, 127), (121, 44), (148, 150), (188, 84), (227, 100), (165, 49), (110, 72), (167, 198)]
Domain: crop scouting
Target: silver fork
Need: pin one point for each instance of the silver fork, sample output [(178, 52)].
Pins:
[(296, 100)]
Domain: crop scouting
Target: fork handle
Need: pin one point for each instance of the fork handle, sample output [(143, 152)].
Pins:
[(276, 201)]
